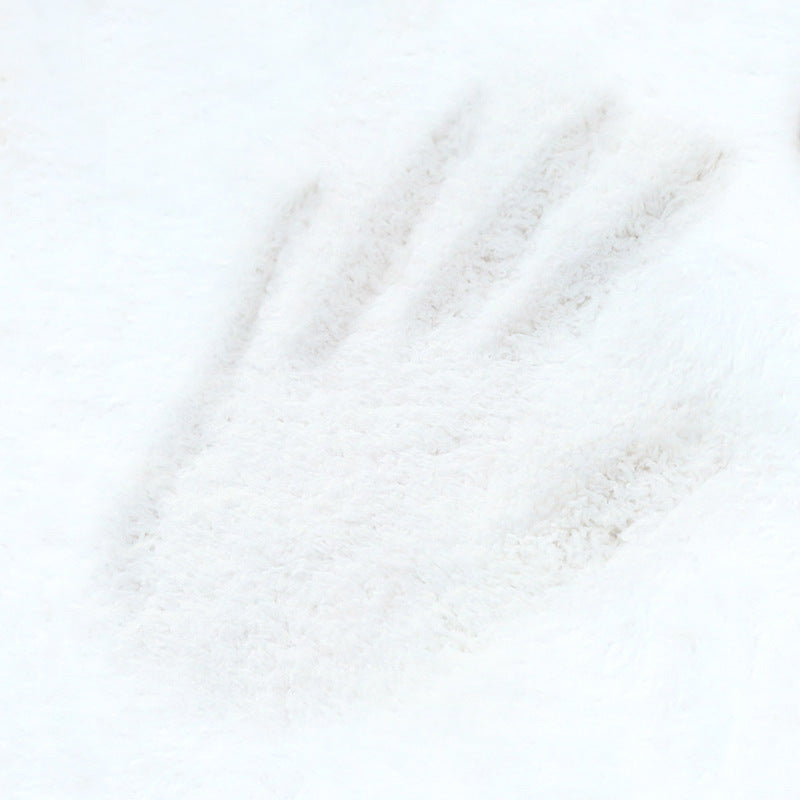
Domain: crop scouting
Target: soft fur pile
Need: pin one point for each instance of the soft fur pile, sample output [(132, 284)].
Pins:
[(400, 399), (399, 446)]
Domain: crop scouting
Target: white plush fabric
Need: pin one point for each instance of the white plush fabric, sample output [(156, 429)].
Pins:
[(399, 399), (403, 443)]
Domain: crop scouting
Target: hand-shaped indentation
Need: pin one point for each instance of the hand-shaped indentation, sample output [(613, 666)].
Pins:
[(346, 500)]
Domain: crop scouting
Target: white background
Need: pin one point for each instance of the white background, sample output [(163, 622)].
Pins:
[(492, 491)]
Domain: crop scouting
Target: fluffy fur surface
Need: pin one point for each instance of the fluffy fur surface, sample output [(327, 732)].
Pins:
[(399, 399), (396, 465)]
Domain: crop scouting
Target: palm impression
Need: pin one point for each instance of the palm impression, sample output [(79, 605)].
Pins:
[(421, 419)]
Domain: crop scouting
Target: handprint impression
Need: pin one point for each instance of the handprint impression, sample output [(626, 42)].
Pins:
[(356, 496)]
